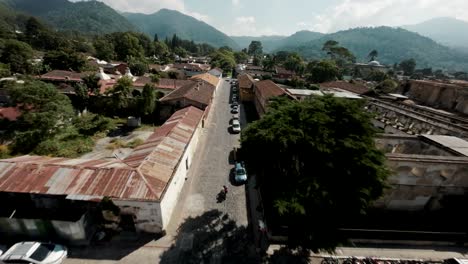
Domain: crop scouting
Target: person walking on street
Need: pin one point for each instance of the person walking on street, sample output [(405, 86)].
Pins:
[(225, 189)]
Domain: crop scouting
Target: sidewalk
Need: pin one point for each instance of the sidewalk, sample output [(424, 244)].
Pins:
[(420, 253)]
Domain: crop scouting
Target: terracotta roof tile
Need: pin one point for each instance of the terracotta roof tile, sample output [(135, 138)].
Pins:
[(198, 91), (268, 88), (213, 80)]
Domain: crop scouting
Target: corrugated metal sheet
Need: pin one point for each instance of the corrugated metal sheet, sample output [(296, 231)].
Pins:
[(454, 143), (144, 175)]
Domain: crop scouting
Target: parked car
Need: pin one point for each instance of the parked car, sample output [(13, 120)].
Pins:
[(234, 117), (235, 126), (241, 174), (234, 89), (35, 252), (235, 109), (236, 104), (234, 98)]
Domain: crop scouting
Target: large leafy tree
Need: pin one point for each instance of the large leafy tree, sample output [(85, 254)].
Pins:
[(294, 62), (255, 48), (324, 71), (17, 54), (148, 100), (339, 54), (317, 165), (408, 66), (65, 60), (127, 45), (372, 55), (45, 112), (121, 93)]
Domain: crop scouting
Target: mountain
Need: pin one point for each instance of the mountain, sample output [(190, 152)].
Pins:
[(166, 23), (393, 46), (269, 43), (272, 43), (91, 17), (445, 30), (299, 38)]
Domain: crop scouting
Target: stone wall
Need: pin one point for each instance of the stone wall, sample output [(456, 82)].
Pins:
[(439, 95)]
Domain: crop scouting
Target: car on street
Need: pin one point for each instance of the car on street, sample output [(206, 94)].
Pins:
[(234, 104), (235, 109), (235, 126), (234, 89), (234, 118), (35, 252), (234, 98), (240, 173)]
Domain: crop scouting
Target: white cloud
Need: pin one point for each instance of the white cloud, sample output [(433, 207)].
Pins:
[(247, 26), (235, 2), (355, 13), (302, 24)]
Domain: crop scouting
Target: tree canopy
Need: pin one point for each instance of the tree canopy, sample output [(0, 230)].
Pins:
[(45, 112), (255, 48), (317, 165), (323, 71)]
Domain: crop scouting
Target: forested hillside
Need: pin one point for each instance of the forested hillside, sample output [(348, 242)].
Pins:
[(166, 23), (91, 17), (393, 46)]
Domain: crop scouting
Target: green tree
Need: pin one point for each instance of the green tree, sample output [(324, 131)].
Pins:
[(126, 45), (339, 54), (377, 76), (104, 49), (408, 66), (324, 71), (241, 57), (17, 54), (223, 59), (372, 55), (45, 112), (295, 63), (255, 48), (84, 90), (64, 60), (317, 165), (269, 63), (121, 93), (386, 86), (138, 67), (148, 102), (257, 61)]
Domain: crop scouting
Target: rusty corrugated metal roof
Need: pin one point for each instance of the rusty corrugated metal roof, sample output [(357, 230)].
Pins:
[(144, 175)]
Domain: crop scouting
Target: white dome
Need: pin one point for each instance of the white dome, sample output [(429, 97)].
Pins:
[(374, 63)]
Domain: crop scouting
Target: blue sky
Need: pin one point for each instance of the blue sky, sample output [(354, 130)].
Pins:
[(284, 17)]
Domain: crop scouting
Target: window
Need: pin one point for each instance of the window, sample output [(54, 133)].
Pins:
[(42, 252)]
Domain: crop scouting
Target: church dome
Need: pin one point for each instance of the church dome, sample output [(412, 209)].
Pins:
[(374, 63)]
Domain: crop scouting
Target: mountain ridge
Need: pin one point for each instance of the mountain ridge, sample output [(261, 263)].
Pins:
[(168, 22)]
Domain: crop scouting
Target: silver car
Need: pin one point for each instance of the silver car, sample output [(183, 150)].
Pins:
[(35, 252)]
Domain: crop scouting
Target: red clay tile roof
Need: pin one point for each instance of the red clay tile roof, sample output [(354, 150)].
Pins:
[(198, 91), (189, 67), (144, 175), (245, 81), (172, 84), (57, 75), (268, 88), (10, 113), (356, 88)]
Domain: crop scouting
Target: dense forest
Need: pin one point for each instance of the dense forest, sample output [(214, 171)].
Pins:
[(91, 17), (166, 23)]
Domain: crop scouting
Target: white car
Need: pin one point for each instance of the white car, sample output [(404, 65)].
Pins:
[(35, 252), (235, 126)]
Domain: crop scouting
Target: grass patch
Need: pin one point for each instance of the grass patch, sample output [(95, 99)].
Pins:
[(118, 143), (68, 146), (4, 152)]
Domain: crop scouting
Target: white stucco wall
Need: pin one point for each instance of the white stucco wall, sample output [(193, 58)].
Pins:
[(171, 196), (147, 214)]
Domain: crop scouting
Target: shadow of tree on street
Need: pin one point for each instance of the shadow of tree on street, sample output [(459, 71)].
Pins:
[(211, 238)]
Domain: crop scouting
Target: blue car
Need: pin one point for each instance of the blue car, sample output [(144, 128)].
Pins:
[(241, 174)]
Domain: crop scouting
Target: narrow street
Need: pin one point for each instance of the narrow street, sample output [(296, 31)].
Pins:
[(212, 169)]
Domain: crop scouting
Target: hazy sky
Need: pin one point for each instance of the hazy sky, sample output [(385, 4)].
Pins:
[(284, 17)]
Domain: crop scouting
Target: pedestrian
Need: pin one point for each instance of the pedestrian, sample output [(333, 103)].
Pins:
[(225, 189)]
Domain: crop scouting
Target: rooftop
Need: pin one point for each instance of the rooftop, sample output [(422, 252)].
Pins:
[(198, 91), (213, 80), (356, 88), (268, 88), (57, 75), (143, 175), (454, 144), (245, 80)]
